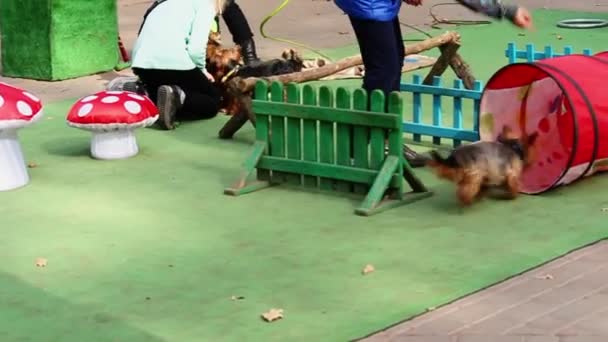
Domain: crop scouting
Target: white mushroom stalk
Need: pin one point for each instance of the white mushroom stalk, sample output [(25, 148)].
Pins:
[(112, 117), (18, 109), (115, 141)]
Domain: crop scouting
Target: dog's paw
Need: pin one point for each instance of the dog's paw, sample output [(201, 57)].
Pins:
[(292, 54)]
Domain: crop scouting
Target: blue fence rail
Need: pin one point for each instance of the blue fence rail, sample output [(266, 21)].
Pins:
[(457, 133), (530, 54), (458, 93)]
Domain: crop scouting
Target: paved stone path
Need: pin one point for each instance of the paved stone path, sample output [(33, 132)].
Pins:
[(565, 300)]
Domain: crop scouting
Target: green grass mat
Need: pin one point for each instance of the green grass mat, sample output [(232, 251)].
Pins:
[(149, 249)]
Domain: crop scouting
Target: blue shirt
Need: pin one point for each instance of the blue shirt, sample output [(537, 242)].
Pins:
[(174, 36), (387, 10)]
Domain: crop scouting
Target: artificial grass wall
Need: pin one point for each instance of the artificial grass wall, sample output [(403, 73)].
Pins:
[(58, 39)]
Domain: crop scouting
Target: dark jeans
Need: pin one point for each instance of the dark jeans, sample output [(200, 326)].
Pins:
[(382, 50), (236, 22), (202, 97)]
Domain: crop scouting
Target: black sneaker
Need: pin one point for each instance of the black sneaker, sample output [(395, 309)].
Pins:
[(168, 102), (127, 83)]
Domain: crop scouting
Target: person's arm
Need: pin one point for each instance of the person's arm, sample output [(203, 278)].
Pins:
[(199, 34), (492, 8)]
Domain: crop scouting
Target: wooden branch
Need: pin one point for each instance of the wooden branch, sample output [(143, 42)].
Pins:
[(247, 85), (240, 118), (463, 71), (235, 123), (443, 62)]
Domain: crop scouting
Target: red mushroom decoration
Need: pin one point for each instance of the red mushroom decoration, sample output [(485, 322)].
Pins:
[(112, 116), (18, 109)]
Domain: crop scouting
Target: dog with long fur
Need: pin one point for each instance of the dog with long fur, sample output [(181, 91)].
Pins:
[(486, 164), (226, 64)]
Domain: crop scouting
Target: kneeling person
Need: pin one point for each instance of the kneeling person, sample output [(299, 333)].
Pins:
[(169, 58)]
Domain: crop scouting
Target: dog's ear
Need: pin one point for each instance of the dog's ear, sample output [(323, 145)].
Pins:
[(532, 138), (504, 134)]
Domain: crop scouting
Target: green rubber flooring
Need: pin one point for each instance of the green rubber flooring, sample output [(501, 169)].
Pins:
[(149, 249)]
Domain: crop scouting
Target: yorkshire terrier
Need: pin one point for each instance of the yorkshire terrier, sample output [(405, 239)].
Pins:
[(481, 165), (226, 65)]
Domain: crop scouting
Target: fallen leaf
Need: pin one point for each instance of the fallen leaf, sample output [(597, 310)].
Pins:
[(41, 262), (368, 269), (32, 165), (273, 315), (342, 32), (432, 308), (605, 210), (237, 298), (559, 37), (545, 277)]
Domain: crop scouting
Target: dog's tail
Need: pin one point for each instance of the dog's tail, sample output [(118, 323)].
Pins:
[(437, 160), (447, 168)]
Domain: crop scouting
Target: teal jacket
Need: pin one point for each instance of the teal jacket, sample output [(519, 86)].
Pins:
[(174, 36)]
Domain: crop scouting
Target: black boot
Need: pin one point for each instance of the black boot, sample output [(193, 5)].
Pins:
[(248, 50)]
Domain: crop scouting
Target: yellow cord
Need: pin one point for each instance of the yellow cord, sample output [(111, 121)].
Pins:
[(270, 16), (434, 25)]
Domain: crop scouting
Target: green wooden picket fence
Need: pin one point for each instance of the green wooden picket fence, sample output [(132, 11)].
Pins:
[(329, 141)]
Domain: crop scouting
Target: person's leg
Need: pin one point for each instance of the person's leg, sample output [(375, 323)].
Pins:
[(180, 94), (382, 50), (412, 156), (239, 29), (400, 50), (151, 80), (167, 97), (381, 56), (202, 97)]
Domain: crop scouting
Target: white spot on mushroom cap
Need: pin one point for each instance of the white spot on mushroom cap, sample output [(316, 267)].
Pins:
[(89, 98), (110, 99), (32, 97), (85, 110), (137, 97), (132, 107), (1, 101), (24, 109), (114, 92)]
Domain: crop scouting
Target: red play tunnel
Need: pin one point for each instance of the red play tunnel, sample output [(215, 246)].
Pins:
[(565, 100)]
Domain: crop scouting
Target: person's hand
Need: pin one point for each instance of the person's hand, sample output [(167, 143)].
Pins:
[(413, 2), (523, 19), (209, 76)]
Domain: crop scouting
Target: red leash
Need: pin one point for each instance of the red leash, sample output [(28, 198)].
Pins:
[(124, 55)]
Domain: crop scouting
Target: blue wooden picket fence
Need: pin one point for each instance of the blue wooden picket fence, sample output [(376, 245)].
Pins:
[(530, 54), (457, 95)]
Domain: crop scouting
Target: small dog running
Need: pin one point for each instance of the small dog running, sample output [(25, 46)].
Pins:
[(481, 165)]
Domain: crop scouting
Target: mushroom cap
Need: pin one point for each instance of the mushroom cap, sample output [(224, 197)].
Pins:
[(112, 110), (18, 108)]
